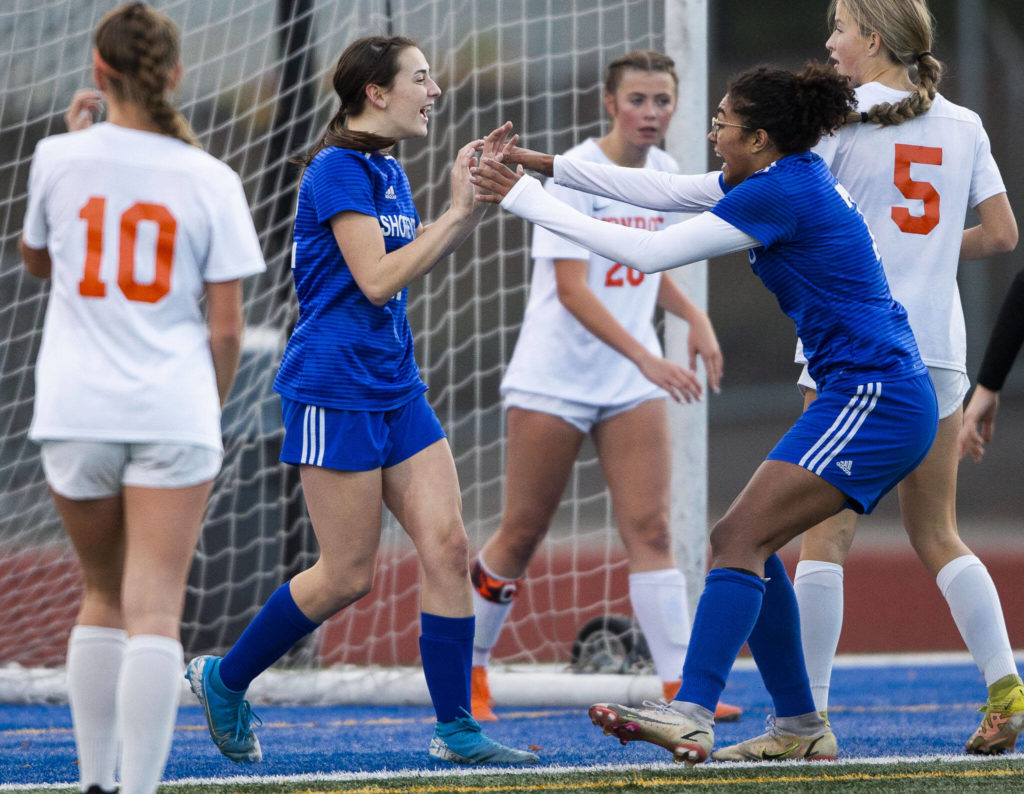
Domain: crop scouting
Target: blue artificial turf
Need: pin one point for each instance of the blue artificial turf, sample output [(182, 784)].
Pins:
[(875, 712)]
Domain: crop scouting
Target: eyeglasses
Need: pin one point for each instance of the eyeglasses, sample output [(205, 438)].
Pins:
[(717, 124)]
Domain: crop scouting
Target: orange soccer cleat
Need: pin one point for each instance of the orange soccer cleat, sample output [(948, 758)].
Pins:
[(480, 699)]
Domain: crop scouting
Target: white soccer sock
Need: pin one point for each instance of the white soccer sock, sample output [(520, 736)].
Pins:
[(660, 605), (147, 701), (968, 588), (490, 618), (819, 595), (94, 661)]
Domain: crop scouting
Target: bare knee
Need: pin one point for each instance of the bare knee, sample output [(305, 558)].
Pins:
[(445, 556), (732, 546), (331, 585), (648, 540)]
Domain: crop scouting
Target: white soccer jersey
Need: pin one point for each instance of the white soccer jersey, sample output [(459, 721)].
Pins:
[(135, 223), (914, 183), (555, 354)]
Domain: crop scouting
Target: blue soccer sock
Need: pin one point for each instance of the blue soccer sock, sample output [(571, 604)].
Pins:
[(776, 646), (275, 629), (726, 613), (446, 650)]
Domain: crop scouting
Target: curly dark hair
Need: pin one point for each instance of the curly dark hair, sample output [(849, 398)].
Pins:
[(794, 108)]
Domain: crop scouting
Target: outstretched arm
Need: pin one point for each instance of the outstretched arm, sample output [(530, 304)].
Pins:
[(691, 241), (641, 187)]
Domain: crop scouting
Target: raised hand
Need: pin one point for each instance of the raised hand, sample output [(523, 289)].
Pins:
[(495, 146), (505, 151), (84, 104), (493, 180), (462, 181)]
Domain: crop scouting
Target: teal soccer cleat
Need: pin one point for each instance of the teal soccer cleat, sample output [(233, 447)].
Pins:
[(229, 718), (462, 742)]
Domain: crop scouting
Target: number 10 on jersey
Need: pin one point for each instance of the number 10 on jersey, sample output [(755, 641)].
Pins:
[(93, 213)]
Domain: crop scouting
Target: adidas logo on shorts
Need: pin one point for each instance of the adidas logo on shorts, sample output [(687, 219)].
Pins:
[(846, 466), (390, 192)]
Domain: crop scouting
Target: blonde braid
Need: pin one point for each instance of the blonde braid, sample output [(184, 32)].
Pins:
[(906, 32)]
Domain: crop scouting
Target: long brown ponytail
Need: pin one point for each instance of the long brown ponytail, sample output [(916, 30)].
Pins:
[(371, 60)]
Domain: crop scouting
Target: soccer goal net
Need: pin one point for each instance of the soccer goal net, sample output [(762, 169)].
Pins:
[(257, 89)]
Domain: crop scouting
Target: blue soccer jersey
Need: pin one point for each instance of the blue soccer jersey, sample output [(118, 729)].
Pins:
[(345, 352), (818, 257)]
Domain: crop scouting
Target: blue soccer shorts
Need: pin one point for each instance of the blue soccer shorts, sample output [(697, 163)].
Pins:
[(357, 440), (864, 438)]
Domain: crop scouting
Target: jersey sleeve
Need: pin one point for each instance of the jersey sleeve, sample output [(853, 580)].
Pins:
[(234, 247), (641, 187), (648, 251), (548, 245), (986, 181), (1006, 338), (756, 207), (342, 183), (35, 231)]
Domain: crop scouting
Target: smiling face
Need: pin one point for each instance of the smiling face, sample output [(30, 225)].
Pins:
[(733, 144), (410, 97), (848, 48), (642, 106)]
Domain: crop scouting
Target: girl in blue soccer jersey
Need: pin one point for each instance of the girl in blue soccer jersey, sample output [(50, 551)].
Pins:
[(874, 419), (357, 421)]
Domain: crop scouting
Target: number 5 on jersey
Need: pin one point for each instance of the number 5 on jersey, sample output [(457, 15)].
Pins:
[(93, 214), (906, 154)]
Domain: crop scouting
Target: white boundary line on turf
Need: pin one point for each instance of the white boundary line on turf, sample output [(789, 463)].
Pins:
[(559, 769), (394, 774)]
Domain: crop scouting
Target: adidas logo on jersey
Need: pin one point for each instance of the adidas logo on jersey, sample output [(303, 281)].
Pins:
[(390, 192), (846, 466)]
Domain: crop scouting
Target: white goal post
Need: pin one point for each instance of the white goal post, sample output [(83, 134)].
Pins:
[(257, 89)]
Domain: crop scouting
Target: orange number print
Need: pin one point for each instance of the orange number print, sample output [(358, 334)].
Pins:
[(166, 228), (612, 279), (926, 155), (92, 213)]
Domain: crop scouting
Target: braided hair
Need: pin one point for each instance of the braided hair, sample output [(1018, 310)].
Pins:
[(139, 48), (905, 28)]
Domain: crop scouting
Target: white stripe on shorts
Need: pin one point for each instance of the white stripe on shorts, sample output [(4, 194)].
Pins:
[(322, 417), (309, 435), (835, 439)]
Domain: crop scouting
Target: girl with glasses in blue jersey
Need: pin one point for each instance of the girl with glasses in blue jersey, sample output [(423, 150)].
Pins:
[(875, 416), (357, 422)]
